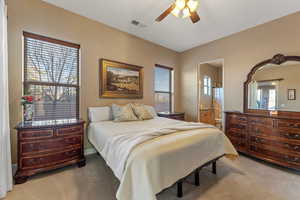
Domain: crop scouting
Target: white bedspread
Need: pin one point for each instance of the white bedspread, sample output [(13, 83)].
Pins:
[(158, 162), (117, 149)]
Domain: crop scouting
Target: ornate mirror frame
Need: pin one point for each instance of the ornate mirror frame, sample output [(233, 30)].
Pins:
[(277, 60)]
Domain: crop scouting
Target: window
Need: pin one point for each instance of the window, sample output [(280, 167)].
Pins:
[(51, 75), (163, 88), (207, 85), (272, 99)]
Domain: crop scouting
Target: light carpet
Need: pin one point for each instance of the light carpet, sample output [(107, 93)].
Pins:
[(243, 179)]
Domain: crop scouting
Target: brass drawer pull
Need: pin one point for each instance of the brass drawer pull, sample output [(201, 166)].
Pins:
[(70, 140), (294, 125), (293, 147), (31, 161), (69, 153), (259, 140), (292, 136), (291, 159)]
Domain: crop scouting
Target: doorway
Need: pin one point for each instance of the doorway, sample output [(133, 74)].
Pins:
[(211, 92)]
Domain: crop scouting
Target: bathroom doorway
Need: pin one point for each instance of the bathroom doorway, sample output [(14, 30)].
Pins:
[(211, 92)]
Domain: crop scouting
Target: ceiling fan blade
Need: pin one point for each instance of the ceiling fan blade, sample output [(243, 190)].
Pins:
[(164, 14), (194, 17)]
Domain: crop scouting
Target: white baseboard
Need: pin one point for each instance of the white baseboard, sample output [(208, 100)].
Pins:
[(89, 151), (14, 168)]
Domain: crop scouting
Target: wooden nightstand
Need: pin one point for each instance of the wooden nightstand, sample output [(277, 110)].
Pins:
[(47, 145), (172, 115)]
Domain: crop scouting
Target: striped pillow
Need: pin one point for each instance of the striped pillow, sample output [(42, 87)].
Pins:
[(123, 113), (141, 111)]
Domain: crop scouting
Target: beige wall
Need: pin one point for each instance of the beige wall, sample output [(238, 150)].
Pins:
[(96, 40), (240, 52)]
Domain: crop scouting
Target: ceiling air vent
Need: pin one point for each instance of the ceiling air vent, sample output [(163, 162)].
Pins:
[(138, 24)]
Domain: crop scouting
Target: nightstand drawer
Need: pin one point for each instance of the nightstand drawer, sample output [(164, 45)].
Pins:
[(36, 134), (46, 146), (48, 160), (73, 130)]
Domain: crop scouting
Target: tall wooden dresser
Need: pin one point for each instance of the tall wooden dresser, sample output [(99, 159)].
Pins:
[(48, 145), (272, 138), (269, 127)]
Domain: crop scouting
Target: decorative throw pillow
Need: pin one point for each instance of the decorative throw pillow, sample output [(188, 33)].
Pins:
[(123, 113), (141, 111), (151, 110)]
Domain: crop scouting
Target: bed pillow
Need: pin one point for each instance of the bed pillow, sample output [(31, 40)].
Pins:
[(151, 110), (123, 113), (141, 112), (97, 114)]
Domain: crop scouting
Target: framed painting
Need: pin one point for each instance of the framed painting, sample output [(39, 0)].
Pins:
[(291, 94), (120, 80)]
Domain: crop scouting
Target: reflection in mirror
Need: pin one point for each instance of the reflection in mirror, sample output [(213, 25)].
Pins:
[(268, 89)]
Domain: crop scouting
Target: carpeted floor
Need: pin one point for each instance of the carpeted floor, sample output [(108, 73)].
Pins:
[(243, 179)]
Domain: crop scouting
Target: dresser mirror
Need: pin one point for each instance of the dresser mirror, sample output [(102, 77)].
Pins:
[(273, 85)]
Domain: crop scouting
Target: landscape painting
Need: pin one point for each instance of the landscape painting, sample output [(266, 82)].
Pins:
[(120, 80)]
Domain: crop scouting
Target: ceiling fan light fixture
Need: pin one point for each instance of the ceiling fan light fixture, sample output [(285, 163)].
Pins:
[(193, 5), (180, 4), (182, 9), (176, 12), (186, 13)]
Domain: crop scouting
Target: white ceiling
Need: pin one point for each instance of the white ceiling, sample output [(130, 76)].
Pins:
[(219, 18)]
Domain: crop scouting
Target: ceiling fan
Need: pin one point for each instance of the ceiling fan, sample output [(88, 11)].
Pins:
[(182, 9)]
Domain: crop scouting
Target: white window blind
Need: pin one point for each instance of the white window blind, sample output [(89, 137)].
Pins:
[(163, 87), (51, 75)]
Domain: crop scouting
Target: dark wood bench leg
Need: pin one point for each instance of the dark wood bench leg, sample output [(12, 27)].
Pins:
[(179, 189), (197, 182), (214, 167)]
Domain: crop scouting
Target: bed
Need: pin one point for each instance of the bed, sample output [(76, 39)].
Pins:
[(158, 163)]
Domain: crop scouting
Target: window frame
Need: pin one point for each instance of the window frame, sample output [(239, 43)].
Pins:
[(171, 92), (207, 85), (26, 83)]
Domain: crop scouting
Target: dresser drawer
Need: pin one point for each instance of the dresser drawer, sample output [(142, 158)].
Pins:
[(289, 124), (275, 145), (280, 134), (261, 121), (235, 132), (238, 143), (238, 126), (73, 130), (42, 161), (261, 130), (46, 146), (261, 152), (237, 119), (36, 134), (291, 134)]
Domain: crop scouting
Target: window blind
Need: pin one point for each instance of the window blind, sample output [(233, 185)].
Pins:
[(51, 75), (163, 88)]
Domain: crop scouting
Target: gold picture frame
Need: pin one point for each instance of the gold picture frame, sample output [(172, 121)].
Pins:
[(120, 80)]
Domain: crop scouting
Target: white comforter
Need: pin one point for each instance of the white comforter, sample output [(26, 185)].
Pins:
[(157, 162), (117, 149)]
